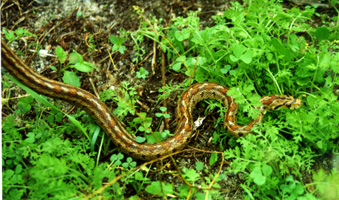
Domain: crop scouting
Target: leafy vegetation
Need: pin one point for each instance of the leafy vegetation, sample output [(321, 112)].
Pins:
[(255, 50)]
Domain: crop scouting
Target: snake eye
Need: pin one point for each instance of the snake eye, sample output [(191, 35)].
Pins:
[(263, 108)]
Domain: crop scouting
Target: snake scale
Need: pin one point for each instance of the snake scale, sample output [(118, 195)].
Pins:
[(116, 131)]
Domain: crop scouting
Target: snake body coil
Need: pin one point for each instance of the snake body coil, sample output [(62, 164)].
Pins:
[(114, 129)]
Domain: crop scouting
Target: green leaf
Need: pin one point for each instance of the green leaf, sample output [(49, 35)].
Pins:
[(139, 139), (114, 39), (233, 58), (247, 57), (225, 69), (18, 169), (281, 50), (213, 158), (267, 170), (53, 68), (58, 117), (50, 119), (156, 189), (191, 175), (61, 54), (163, 109), (178, 36), (95, 137), (239, 50), (199, 165), (257, 176), (176, 67), (24, 105), (75, 57), (8, 173), (322, 33), (71, 78), (83, 66), (167, 116), (121, 49)]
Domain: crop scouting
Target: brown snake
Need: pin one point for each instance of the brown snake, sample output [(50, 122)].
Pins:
[(116, 131)]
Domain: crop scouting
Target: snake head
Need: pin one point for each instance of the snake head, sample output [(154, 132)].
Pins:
[(274, 102)]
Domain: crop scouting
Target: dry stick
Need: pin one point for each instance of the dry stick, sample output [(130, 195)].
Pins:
[(94, 88), (115, 68), (139, 63), (154, 63)]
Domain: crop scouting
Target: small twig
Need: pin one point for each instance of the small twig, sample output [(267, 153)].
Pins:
[(145, 58), (115, 68), (94, 88), (154, 63)]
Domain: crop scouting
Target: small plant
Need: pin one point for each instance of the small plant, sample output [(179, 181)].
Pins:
[(163, 114), (75, 61), (117, 44), (126, 98), (116, 159), (91, 43), (20, 32), (142, 73), (167, 90), (292, 189)]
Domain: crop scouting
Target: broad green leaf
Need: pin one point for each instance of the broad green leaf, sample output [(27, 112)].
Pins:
[(71, 78), (239, 50), (157, 189), (139, 139), (233, 58), (199, 165), (257, 176), (322, 33), (247, 57), (178, 36), (267, 170), (281, 50), (83, 66), (213, 158), (176, 67), (61, 54), (75, 57)]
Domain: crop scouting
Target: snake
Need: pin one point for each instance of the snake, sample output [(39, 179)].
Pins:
[(114, 128)]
